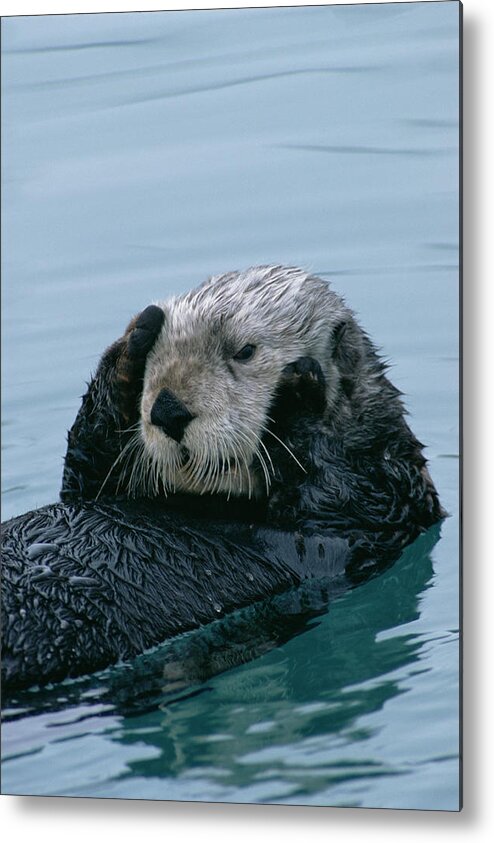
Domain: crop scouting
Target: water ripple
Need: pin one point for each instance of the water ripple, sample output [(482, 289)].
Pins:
[(366, 150), (248, 80), (94, 45)]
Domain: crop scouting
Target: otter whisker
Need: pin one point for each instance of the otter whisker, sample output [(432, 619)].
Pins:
[(138, 483), (202, 475), (143, 478), (265, 471), (249, 478), (166, 471), (267, 479), (154, 477), (239, 455), (261, 443), (252, 450), (247, 452), (126, 447), (131, 429), (220, 465), (216, 466), (149, 475), (138, 476), (133, 452), (235, 458), (196, 469), (262, 462), (285, 446), (206, 464), (223, 469)]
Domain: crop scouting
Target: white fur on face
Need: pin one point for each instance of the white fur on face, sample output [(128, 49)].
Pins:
[(285, 314)]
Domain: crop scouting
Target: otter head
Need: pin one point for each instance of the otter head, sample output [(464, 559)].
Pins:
[(212, 375)]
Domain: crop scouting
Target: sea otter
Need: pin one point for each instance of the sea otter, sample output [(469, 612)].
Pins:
[(234, 442), (258, 386)]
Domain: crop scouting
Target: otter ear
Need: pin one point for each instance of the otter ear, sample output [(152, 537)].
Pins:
[(346, 352)]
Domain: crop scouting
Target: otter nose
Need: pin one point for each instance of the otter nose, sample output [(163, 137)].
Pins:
[(169, 413)]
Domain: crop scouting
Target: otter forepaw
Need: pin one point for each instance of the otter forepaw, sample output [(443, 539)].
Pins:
[(145, 333), (304, 381), (135, 345)]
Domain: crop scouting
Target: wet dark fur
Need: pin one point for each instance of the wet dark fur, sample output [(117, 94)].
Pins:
[(85, 585)]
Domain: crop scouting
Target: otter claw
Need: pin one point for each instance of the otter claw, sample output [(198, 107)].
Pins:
[(305, 368), (304, 379), (145, 333)]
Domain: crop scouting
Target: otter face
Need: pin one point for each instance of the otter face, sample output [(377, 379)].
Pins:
[(212, 376), (207, 391)]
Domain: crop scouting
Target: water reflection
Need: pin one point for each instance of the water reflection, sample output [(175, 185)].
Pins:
[(347, 650)]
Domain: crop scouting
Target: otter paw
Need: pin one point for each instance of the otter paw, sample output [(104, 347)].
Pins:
[(306, 382), (145, 333)]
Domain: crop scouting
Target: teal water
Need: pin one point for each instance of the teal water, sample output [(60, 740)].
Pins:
[(141, 153)]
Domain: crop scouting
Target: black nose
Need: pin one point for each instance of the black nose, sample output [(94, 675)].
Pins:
[(169, 413)]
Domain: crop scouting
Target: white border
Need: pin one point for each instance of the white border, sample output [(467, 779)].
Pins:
[(34, 7)]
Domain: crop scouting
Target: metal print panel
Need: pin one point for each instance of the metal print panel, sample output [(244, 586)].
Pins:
[(249, 590)]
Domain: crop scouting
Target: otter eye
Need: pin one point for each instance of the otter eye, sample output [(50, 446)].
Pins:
[(245, 353)]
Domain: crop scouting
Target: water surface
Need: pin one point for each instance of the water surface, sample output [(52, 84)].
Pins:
[(141, 153)]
